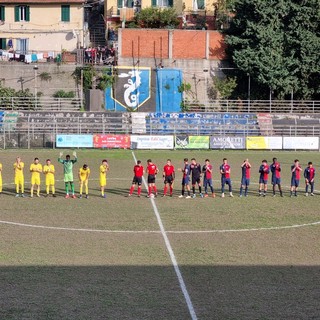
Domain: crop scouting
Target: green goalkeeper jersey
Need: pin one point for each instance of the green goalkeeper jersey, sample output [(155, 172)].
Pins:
[(67, 165)]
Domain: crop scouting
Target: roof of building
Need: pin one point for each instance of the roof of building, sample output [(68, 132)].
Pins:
[(41, 1)]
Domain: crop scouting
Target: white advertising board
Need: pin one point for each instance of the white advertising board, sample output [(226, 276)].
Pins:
[(74, 141), (301, 143), (152, 142), (264, 143)]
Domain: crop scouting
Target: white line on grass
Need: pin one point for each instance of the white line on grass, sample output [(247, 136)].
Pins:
[(76, 229), (157, 231), (171, 253), (246, 230)]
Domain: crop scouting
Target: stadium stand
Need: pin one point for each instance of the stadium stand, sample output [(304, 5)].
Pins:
[(203, 123), (296, 124)]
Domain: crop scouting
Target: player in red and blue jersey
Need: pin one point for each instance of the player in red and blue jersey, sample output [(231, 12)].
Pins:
[(137, 178), (309, 174), (225, 171), (185, 179), (295, 177), (263, 179), (245, 179), (207, 178), (276, 176), (152, 171), (168, 177)]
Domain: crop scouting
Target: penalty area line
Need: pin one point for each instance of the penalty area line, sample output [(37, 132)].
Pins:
[(171, 253)]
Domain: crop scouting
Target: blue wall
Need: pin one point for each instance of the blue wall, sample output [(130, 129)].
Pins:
[(157, 90), (167, 96)]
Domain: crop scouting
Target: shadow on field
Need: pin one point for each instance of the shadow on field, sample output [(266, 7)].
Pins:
[(151, 292)]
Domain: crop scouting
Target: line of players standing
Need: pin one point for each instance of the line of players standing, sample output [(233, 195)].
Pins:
[(195, 171)]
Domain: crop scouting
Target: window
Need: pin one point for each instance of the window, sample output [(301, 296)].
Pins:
[(3, 43), (65, 13), (201, 5), (22, 13), (162, 3), (119, 6), (2, 14), (22, 46)]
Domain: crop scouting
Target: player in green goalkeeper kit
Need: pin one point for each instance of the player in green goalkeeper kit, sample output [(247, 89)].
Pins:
[(68, 172)]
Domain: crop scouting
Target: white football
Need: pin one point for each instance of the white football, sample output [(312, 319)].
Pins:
[(151, 195)]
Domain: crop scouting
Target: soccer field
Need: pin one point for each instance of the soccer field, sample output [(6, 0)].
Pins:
[(162, 258)]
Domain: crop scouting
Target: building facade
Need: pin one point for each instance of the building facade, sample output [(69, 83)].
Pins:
[(31, 26), (193, 13)]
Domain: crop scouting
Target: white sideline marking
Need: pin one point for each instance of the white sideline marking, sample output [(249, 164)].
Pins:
[(171, 253), (157, 231)]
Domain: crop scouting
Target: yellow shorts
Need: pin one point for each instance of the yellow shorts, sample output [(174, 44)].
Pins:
[(49, 181), (35, 180), (19, 180), (103, 182)]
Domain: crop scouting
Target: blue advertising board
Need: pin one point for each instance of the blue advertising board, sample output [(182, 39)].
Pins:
[(74, 141)]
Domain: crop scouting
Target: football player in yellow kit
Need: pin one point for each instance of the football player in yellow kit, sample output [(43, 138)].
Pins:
[(35, 169), (19, 177), (103, 176), (49, 170), (84, 174)]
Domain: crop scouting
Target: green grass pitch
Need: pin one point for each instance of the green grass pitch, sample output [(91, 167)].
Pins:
[(240, 258)]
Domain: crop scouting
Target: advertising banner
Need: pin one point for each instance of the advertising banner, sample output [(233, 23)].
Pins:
[(264, 143), (302, 143), (74, 140), (151, 142), (227, 142), (121, 141), (192, 142)]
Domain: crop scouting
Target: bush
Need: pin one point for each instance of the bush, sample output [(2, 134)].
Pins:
[(64, 94)]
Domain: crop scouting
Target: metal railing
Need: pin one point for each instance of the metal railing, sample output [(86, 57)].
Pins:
[(256, 106), (39, 129), (91, 123), (40, 104)]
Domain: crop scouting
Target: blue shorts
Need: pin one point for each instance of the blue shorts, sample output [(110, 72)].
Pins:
[(226, 181), (185, 181), (276, 181), (207, 182), (261, 180), (295, 182), (245, 181)]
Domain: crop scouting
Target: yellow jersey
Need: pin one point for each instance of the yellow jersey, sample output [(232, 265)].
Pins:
[(48, 170), (103, 171), (18, 169), (84, 173), (35, 170)]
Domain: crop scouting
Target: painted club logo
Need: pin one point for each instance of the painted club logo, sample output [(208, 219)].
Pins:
[(132, 87)]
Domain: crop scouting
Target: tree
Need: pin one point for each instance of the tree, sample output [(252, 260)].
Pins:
[(223, 88), (156, 17), (93, 78), (277, 43)]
